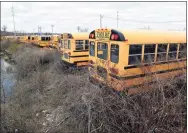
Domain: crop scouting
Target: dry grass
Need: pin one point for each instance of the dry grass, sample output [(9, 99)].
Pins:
[(47, 100)]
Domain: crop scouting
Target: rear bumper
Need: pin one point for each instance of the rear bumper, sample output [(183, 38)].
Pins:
[(68, 64)]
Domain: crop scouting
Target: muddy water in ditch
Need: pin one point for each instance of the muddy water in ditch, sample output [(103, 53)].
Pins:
[(7, 77)]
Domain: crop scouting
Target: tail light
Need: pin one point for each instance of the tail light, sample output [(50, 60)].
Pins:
[(114, 70), (91, 35), (114, 36)]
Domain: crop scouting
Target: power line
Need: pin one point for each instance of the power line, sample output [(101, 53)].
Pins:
[(151, 21), (128, 20), (90, 21)]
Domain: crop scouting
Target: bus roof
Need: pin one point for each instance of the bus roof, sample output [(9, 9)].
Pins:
[(80, 35), (152, 36)]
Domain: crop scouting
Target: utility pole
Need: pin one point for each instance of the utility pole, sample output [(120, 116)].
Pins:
[(39, 30), (101, 20), (78, 28), (52, 28), (117, 18), (13, 20)]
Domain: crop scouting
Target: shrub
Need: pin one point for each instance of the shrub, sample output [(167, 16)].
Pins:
[(5, 44), (50, 101)]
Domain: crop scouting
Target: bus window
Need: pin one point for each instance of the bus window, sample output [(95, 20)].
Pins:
[(149, 53), (182, 51), (161, 52), (59, 40), (135, 53), (62, 44), (79, 44), (92, 49), (86, 44), (102, 50), (172, 51), (43, 38), (65, 44), (114, 53), (69, 44)]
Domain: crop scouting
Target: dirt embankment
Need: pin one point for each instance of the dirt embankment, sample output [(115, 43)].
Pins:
[(47, 98)]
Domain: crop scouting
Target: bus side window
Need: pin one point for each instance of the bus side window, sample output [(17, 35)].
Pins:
[(92, 49), (135, 53), (102, 50), (62, 43), (172, 51), (42, 38), (149, 53), (161, 52), (182, 50), (69, 44), (114, 53), (86, 44), (65, 44), (79, 44)]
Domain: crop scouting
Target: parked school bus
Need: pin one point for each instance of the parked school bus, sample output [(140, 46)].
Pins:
[(75, 48), (43, 41), (54, 41), (59, 43), (32, 39), (24, 39), (3, 38), (126, 60)]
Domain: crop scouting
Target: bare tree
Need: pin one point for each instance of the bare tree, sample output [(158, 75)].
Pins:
[(84, 30), (4, 28)]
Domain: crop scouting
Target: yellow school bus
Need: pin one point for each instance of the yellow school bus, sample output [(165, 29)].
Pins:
[(32, 39), (3, 38), (42, 41), (54, 41), (75, 48), (28, 40), (23, 39), (59, 43), (127, 60)]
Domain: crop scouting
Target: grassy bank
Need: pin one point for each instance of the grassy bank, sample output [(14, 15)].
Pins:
[(47, 99)]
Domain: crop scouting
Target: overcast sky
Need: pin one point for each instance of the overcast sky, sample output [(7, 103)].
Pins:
[(66, 16)]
